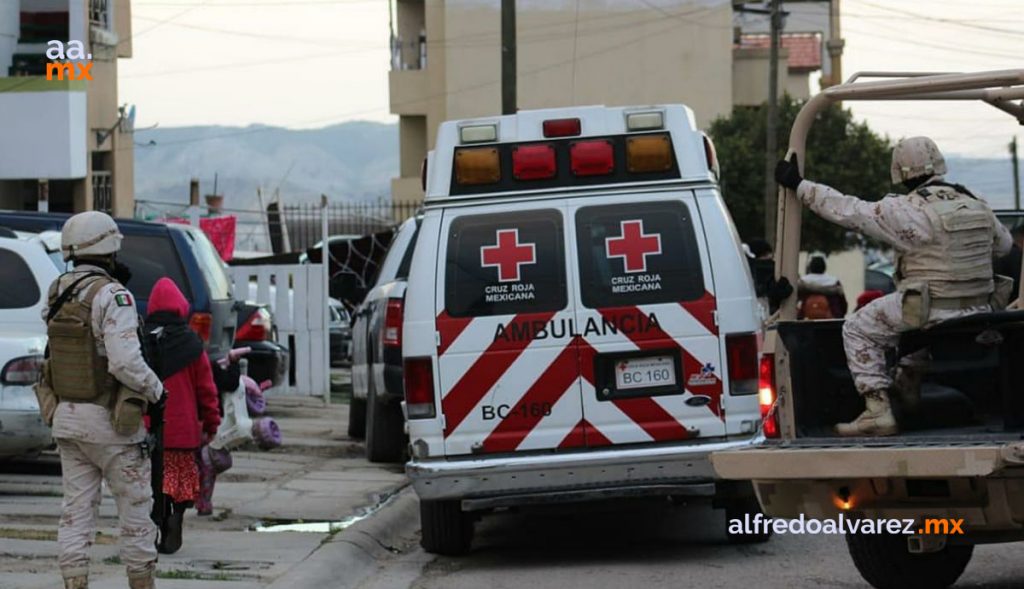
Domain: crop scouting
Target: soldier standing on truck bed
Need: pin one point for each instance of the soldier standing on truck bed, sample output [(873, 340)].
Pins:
[(945, 239), (95, 389)]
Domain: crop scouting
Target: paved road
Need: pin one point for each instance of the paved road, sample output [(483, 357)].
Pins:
[(651, 548)]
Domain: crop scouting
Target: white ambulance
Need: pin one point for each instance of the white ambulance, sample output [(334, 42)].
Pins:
[(580, 321)]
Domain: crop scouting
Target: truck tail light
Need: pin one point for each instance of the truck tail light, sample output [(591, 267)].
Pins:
[(592, 158), (562, 128), (741, 351), (766, 397), (648, 153), (419, 388), (477, 165), (533, 162), (202, 324), (22, 371), (393, 315), (257, 328)]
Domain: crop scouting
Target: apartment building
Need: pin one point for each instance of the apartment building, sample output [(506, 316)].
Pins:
[(65, 144), (709, 54)]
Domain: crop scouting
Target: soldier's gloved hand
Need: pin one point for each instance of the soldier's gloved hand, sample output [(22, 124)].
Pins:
[(787, 173)]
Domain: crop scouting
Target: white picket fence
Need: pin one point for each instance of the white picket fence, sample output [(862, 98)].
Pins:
[(300, 315)]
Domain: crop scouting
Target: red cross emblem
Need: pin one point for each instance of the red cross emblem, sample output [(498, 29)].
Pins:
[(633, 245), (508, 255)]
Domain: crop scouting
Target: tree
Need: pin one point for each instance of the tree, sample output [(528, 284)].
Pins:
[(842, 153)]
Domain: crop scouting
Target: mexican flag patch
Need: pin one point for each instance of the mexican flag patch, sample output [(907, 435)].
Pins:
[(123, 299)]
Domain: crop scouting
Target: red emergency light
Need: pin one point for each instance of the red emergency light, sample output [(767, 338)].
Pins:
[(562, 128), (592, 158), (533, 162)]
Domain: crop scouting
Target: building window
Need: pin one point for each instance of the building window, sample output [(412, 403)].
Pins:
[(102, 191), (99, 14)]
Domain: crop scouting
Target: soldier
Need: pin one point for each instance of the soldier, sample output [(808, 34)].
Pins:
[(101, 384), (945, 239)]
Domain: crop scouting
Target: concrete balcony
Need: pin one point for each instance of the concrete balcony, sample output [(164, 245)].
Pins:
[(43, 125), (408, 92)]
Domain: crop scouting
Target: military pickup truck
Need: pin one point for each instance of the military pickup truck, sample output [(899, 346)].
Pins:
[(955, 473)]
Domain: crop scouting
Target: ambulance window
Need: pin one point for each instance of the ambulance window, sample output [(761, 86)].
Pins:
[(504, 264), (638, 254)]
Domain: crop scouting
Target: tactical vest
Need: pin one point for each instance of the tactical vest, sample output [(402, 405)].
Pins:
[(957, 262), (77, 371)]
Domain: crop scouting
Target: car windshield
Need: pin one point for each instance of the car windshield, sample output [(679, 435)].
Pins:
[(211, 265)]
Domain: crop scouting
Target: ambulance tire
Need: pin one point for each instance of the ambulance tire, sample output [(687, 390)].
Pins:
[(357, 419), (737, 510), (446, 529), (385, 434), (885, 562)]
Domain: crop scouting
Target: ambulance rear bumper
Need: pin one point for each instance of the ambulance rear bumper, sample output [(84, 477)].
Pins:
[(683, 469)]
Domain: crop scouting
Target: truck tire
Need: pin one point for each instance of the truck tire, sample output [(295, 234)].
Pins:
[(885, 562), (446, 529), (357, 419), (737, 510), (385, 435)]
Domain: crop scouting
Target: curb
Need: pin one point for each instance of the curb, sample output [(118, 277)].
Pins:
[(351, 556)]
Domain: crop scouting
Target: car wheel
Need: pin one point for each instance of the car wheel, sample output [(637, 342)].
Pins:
[(385, 435), (885, 562), (357, 419), (446, 528)]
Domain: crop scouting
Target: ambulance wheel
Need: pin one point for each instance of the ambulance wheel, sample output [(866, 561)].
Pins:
[(385, 438), (357, 419), (744, 510), (446, 529), (886, 563)]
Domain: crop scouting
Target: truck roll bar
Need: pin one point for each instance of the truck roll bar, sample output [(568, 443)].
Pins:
[(997, 88)]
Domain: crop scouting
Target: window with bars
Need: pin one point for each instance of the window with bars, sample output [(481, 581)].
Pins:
[(102, 191), (99, 14)]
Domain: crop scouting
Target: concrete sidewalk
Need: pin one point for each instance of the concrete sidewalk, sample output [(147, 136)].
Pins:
[(317, 476)]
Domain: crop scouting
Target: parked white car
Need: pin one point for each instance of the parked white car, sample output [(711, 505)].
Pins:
[(26, 272)]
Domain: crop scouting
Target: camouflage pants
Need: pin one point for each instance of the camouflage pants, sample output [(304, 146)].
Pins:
[(875, 328), (127, 474)]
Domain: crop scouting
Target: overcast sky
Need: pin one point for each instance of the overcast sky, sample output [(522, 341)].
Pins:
[(310, 63)]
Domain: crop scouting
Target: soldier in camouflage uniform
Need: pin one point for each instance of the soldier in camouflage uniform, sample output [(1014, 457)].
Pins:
[(87, 376), (945, 239)]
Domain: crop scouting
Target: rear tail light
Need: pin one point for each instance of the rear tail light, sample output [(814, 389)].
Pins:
[(419, 388), (257, 328), (477, 165), (766, 397), (24, 370), (393, 316), (201, 323), (533, 162), (592, 158), (741, 350), (649, 153), (562, 128)]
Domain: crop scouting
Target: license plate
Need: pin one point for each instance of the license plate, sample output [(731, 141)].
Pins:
[(638, 373)]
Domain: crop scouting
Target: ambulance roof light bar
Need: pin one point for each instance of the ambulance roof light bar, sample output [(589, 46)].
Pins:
[(485, 133), (645, 121)]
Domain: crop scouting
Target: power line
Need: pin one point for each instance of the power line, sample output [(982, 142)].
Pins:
[(943, 20)]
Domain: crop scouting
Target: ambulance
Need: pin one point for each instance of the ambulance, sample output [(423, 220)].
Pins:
[(580, 322)]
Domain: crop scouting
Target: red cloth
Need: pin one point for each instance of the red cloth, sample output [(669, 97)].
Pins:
[(867, 296), (181, 475), (192, 406), (221, 231)]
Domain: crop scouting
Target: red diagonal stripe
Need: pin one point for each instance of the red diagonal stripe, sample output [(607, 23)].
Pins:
[(657, 338), (486, 371), (584, 434), (450, 327), (548, 388), (658, 423), (703, 310)]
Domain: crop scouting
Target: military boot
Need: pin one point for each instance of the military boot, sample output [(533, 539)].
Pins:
[(877, 419), (909, 374), (142, 581), (79, 582)]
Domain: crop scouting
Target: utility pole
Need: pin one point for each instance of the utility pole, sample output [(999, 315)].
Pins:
[(1016, 174), (508, 57), (772, 139)]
